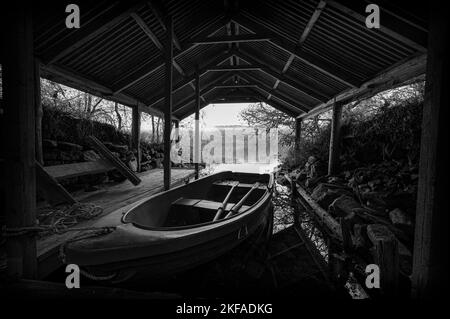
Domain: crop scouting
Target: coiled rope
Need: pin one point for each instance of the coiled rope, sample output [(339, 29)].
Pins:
[(58, 221)]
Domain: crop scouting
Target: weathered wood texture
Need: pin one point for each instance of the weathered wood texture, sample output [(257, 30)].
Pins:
[(63, 171), (115, 201), (197, 125), (19, 133), (105, 153), (386, 255), (322, 215), (335, 139), (430, 258), (168, 101), (49, 188), (136, 135), (38, 111)]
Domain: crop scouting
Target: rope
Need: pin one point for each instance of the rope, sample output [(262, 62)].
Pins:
[(58, 221)]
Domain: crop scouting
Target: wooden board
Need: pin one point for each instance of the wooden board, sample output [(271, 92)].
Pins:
[(79, 169), (115, 201), (49, 188), (121, 167)]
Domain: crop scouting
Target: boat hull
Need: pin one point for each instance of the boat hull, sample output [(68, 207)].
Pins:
[(134, 252)]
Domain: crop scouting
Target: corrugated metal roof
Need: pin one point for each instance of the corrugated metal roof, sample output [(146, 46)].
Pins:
[(113, 52)]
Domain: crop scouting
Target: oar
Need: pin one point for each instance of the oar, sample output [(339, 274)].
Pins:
[(225, 202), (238, 206)]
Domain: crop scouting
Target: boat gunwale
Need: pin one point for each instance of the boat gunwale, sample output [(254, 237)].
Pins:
[(264, 197)]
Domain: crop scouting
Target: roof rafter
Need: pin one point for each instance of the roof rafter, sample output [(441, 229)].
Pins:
[(190, 78), (301, 87), (387, 26), (83, 35), (150, 67), (312, 21), (327, 67), (275, 93), (231, 39), (396, 75)]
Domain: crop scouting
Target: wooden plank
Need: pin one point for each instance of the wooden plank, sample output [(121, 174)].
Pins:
[(18, 148), (386, 257), (50, 189), (430, 258), (168, 102), (335, 140), (106, 154), (64, 171), (115, 200), (322, 214)]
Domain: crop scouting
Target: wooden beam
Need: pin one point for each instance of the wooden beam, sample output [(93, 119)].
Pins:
[(386, 257), (190, 78), (50, 189), (387, 25), (188, 99), (301, 87), (149, 67), (298, 134), (38, 111), (245, 38), (161, 14), (18, 132), (81, 36), (168, 102), (113, 160), (197, 136), (74, 80), (395, 76), (335, 139), (337, 72), (312, 21), (229, 68), (275, 93), (236, 86), (136, 135), (430, 258)]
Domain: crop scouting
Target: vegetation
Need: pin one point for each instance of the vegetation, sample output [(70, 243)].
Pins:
[(383, 127)]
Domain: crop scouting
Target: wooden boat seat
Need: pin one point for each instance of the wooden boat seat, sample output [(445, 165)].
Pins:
[(204, 204)]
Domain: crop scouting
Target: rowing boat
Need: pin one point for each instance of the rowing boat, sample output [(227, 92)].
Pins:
[(180, 228)]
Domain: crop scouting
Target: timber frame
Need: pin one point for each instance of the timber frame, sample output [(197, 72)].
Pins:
[(301, 57)]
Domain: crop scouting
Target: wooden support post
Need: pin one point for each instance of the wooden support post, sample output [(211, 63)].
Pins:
[(386, 257), (298, 133), (197, 141), (335, 139), (430, 258), (38, 111), (19, 133), (168, 102), (136, 135)]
